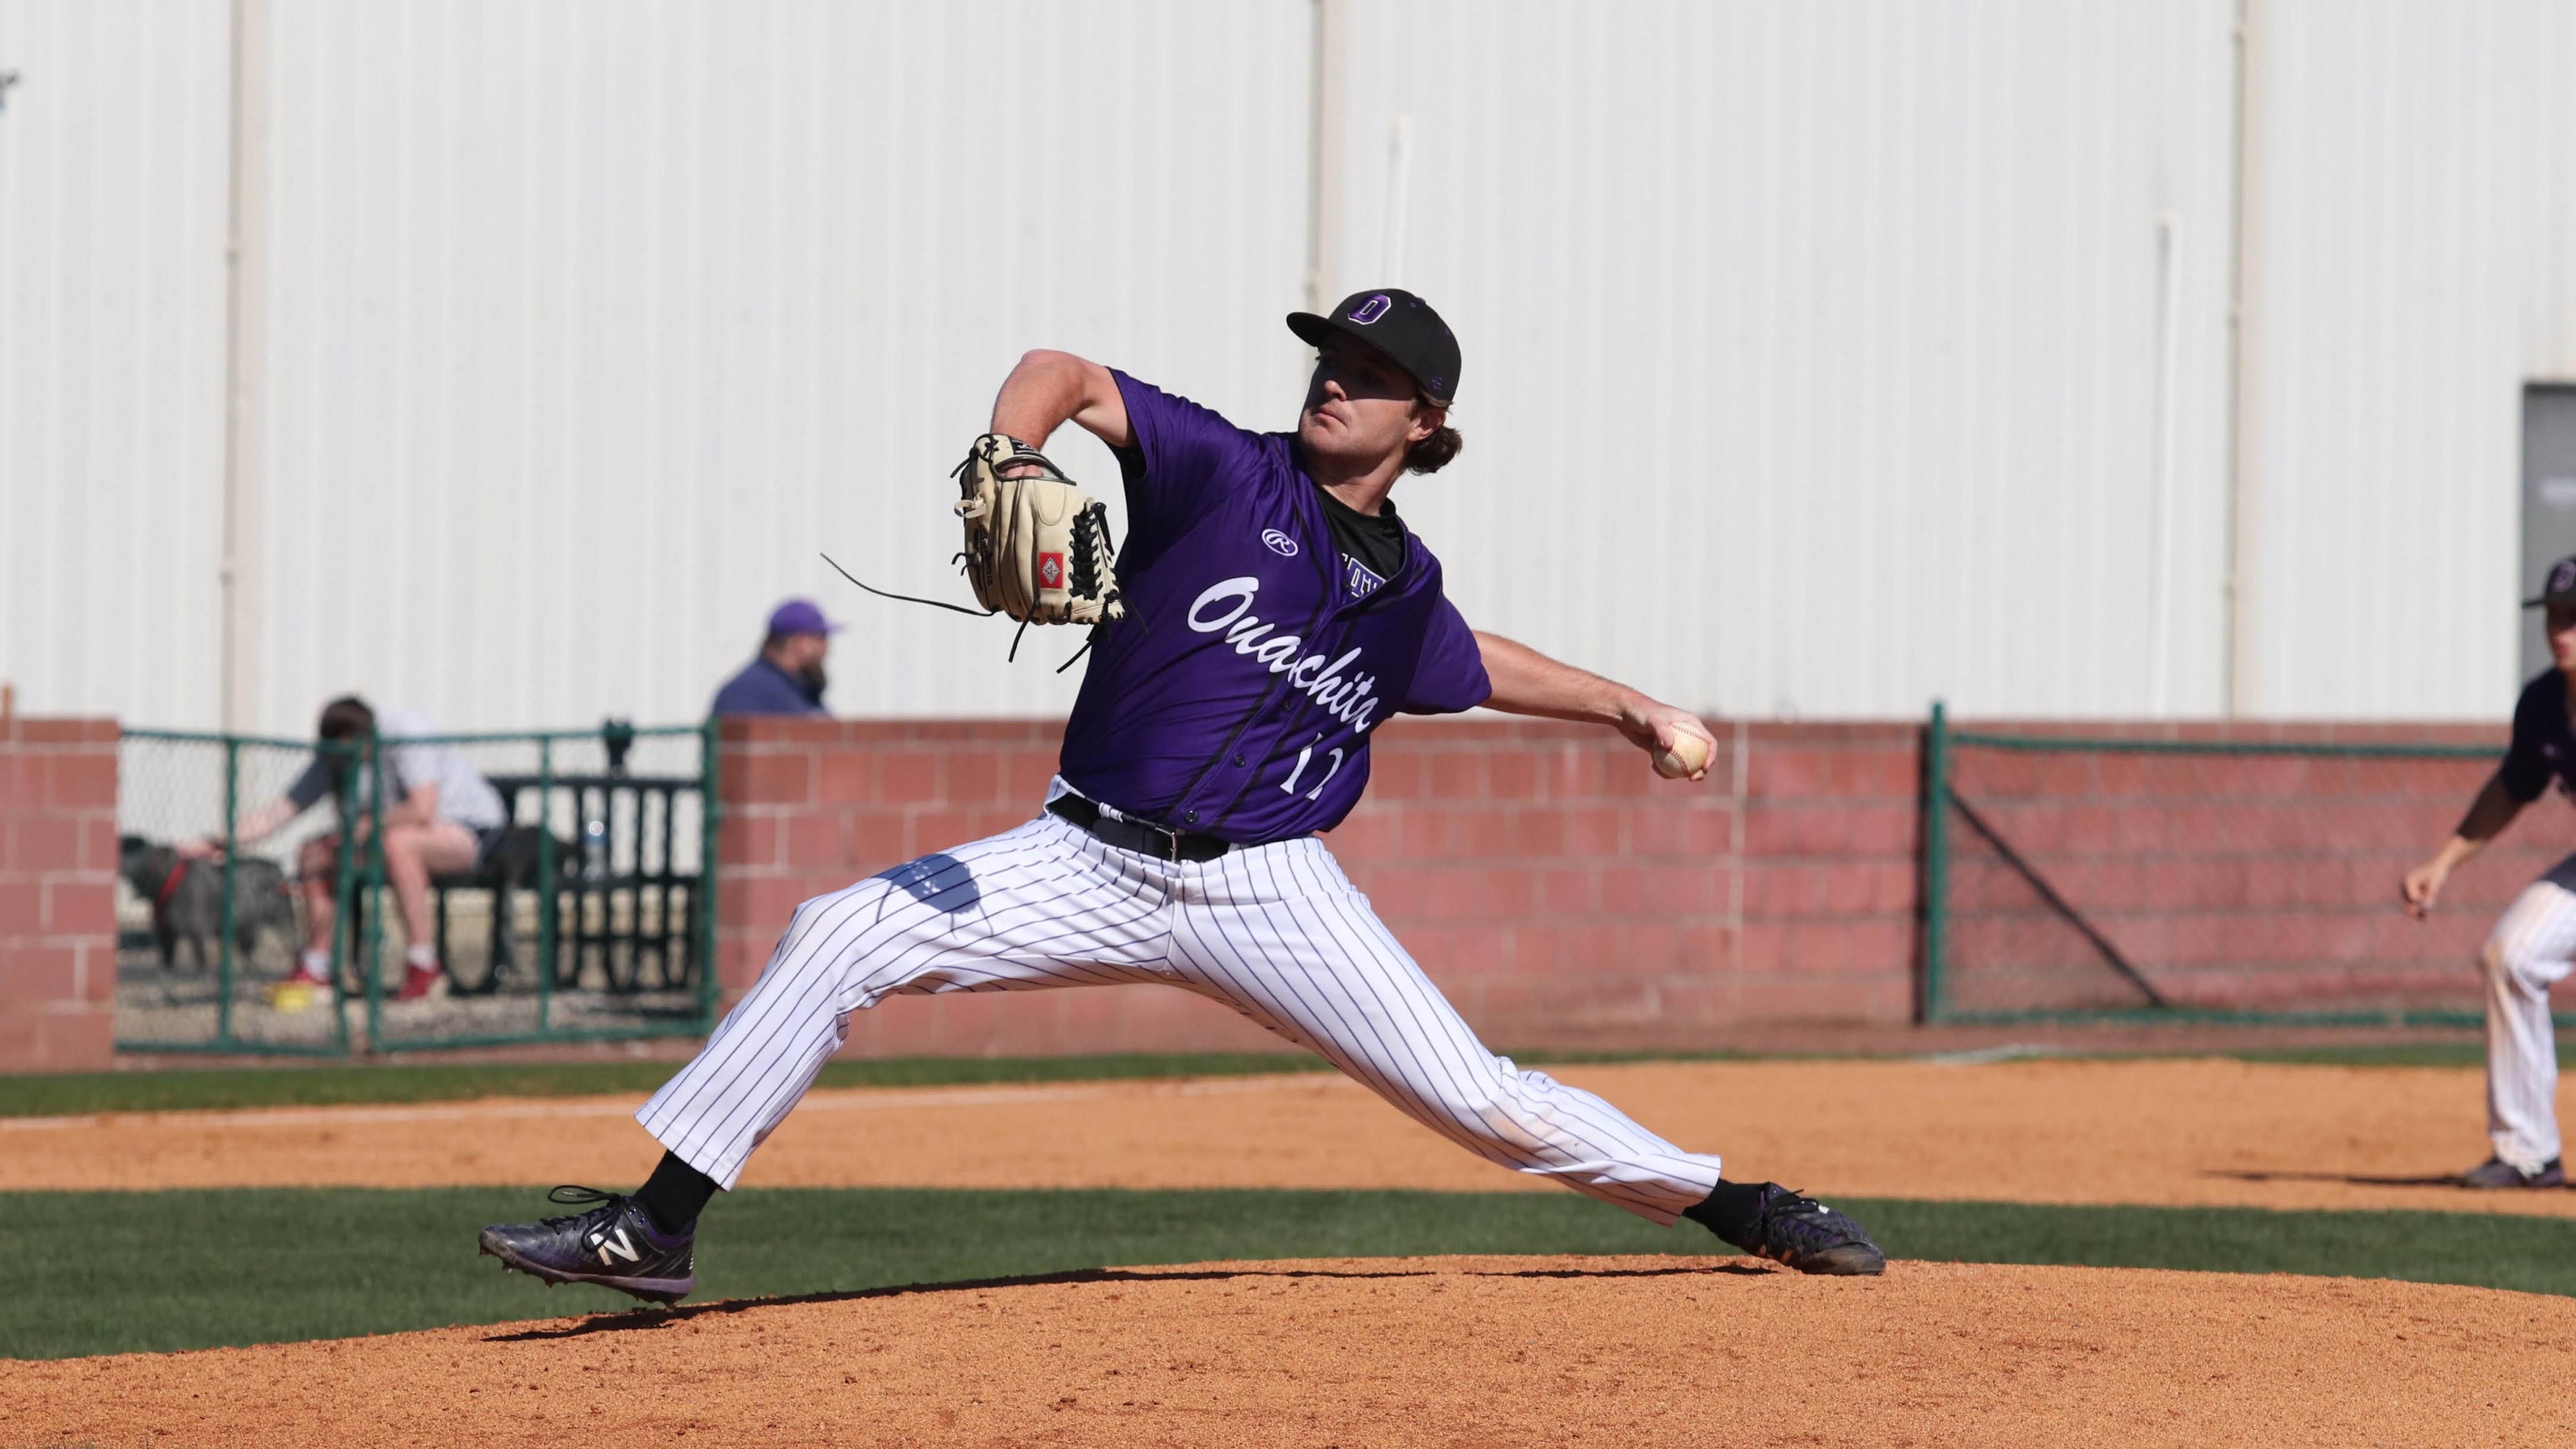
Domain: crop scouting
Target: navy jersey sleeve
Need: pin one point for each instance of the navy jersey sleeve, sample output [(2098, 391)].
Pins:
[(312, 785), (1176, 465), (2526, 769), (1451, 675)]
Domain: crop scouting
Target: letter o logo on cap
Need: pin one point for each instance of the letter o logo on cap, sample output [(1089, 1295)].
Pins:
[(1369, 311)]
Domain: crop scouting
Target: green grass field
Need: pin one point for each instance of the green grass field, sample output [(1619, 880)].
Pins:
[(115, 1272), (182, 1089), (344, 1084)]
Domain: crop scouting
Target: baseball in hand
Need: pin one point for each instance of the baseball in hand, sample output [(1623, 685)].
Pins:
[(1687, 757)]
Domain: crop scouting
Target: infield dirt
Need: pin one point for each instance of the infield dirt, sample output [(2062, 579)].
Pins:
[(2151, 1132), (1407, 1351), (1482, 1351)]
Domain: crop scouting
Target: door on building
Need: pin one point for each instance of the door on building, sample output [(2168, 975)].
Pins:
[(2548, 501)]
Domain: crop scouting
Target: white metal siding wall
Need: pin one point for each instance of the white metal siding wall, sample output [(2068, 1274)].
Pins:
[(593, 323), (1811, 350), (112, 216), (2413, 240)]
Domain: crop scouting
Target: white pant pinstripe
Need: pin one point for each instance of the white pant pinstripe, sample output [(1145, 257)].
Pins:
[(2530, 950), (1276, 931)]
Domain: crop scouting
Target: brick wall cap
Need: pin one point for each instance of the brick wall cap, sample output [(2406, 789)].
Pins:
[(2406, 732), (776, 732), (1885, 734), (59, 730)]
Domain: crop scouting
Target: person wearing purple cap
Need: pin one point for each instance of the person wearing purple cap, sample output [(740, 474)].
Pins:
[(1277, 611), (787, 677)]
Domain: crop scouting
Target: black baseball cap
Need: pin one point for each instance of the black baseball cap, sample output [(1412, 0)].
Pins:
[(2559, 588), (1399, 324)]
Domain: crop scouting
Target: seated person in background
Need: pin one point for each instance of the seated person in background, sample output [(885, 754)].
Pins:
[(442, 817), (787, 678)]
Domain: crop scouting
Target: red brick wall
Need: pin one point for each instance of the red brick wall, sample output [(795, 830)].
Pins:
[(1559, 893), (57, 893), (1563, 896)]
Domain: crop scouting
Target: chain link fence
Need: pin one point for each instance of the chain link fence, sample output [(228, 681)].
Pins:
[(2226, 880), (586, 912), (207, 939)]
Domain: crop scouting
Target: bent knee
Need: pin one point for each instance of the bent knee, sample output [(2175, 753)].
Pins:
[(816, 917), (809, 910), (2508, 960)]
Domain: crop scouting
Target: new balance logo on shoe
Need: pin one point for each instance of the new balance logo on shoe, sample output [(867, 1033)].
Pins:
[(611, 1245)]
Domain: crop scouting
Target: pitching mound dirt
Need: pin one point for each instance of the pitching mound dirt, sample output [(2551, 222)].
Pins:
[(2153, 1132), (1479, 1351)]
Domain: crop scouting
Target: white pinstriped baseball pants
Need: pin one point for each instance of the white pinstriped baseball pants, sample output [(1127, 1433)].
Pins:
[(2530, 950), (1275, 931)]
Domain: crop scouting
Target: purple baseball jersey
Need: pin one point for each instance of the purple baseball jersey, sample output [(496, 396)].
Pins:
[(1237, 697)]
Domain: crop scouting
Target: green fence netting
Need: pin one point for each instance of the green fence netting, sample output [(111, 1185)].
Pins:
[(2071, 877)]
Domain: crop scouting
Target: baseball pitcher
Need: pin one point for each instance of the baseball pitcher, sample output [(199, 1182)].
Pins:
[(1267, 611)]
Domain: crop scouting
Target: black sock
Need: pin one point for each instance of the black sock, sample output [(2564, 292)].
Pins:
[(675, 1194), (1730, 1210)]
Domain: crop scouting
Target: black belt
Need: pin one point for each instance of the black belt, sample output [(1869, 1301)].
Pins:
[(1136, 835)]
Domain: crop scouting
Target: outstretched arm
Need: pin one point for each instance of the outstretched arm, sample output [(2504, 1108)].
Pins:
[(1049, 389), (1528, 682), (2488, 815), (258, 824)]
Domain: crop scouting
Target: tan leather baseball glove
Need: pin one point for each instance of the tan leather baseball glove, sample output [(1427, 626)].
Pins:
[(1037, 546)]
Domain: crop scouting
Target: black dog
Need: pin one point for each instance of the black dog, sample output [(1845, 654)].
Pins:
[(187, 898)]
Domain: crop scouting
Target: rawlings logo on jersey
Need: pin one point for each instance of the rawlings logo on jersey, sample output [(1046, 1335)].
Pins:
[(1352, 699)]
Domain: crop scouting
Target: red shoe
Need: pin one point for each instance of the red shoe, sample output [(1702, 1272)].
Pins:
[(422, 983)]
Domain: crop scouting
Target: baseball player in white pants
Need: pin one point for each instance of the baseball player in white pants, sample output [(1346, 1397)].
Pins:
[(1276, 611), (2534, 942), (1276, 932)]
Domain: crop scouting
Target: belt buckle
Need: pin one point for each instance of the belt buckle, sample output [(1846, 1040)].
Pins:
[(1171, 841)]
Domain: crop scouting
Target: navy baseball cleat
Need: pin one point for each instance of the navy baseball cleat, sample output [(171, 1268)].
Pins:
[(1806, 1235), (2496, 1172), (614, 1245)]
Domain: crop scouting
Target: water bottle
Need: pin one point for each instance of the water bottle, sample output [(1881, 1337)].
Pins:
[(594, 848)]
